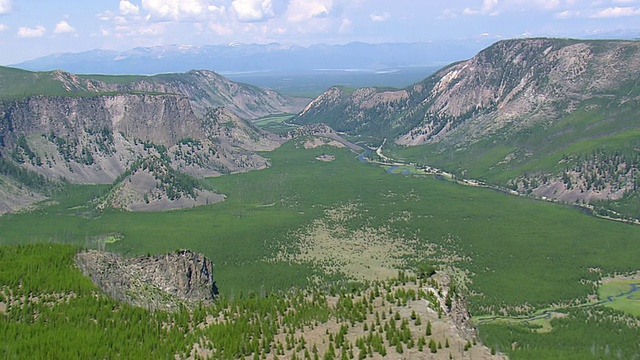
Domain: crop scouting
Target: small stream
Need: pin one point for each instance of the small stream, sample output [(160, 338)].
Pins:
[(548, 314)]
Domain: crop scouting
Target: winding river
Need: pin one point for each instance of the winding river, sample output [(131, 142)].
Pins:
[(548, 314)]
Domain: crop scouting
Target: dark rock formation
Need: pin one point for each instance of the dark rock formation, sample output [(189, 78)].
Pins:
[(157, 282)]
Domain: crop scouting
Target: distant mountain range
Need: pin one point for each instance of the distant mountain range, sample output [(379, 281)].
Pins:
[(283, 67), (242, 58)]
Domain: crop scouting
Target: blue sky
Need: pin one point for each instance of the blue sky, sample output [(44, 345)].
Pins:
[(32, 28)]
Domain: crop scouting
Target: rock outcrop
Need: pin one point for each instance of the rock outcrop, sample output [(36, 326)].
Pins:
[(94, 139), (159, 282)]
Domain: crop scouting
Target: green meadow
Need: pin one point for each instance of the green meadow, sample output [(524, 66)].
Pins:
[(623, 295), (277, 124), (515, 251), (514, 255)]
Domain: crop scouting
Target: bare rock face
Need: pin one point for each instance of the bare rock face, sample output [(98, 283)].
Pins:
[(514, 83), (158, 282)]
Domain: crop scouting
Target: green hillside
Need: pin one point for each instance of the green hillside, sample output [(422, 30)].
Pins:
[(21, 83), (599, 140)]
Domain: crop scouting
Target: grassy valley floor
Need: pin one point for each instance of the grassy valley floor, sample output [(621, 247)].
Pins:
[(306, 224)]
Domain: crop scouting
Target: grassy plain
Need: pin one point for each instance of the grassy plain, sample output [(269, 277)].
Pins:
[(518, 253), (623, 295), (275, 123), (304, 221)]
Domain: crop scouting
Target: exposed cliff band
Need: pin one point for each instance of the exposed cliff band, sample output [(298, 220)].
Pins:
[(159, 282)]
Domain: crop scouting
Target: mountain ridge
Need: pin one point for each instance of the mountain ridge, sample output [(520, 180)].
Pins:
[(522, 113), (203, 87), (257, 57), (94, 129)]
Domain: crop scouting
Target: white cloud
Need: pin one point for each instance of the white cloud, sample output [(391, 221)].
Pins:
[(279, 31), (5, 6), (345, 25), (614, 12), (175, 9), (26, 32), (497, 7), (487, 7), (128, 8), (63, 27), (220, 30), (535, 4), (253, 10), (216, 9), (567, 14), (301, 10), (380, 18), (150, 30), (3, 27)]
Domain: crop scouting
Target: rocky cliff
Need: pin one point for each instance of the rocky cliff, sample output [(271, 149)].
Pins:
[(159, 282), (95, 139), (522, 83), (202, 87), (514, 82)]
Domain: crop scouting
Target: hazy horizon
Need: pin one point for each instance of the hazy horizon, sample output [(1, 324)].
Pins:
[(29, 30)]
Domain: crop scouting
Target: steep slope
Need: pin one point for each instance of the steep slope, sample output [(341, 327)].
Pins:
[(523, 83), (91, 131), (151, 184), (94, 139), (204, 89), (229, 128), (513, 81), (549, 116)]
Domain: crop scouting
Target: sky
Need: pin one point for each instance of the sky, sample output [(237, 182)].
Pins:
[(34, 28)]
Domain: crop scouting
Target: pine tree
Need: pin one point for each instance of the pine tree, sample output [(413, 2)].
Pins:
[(433, 347), (399, 349)]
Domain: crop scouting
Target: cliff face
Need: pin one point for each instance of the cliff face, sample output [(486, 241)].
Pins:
[(95, 139), (522, 83), (512, 83), (203, 88), (161, 119), (159, 282)]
